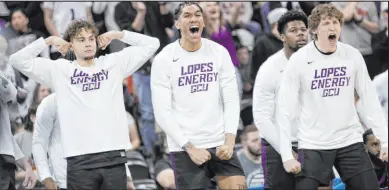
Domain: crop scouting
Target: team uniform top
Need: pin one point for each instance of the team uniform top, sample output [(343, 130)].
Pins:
[(264, 98), (89, 99), (195, 95), (325, 84), (47, 141)]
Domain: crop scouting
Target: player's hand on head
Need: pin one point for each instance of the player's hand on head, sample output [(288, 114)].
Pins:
[(105, 39), (199, 156), (292, 166), (224, 152), (61, 45)]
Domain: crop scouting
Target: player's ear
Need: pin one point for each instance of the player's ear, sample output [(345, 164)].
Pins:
[(282, 37), (177, 25)]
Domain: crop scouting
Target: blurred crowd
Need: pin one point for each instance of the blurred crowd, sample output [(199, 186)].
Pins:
[(248, 30)]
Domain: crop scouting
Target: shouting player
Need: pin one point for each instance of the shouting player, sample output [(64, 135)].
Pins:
[(321, 79), (196, 102)]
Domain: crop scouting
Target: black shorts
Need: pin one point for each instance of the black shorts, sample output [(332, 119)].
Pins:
[(7, 172), (105, 170), (273, 169), (188, 175), (348, 161)]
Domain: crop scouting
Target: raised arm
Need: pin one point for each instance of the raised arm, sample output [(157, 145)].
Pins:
[(131, 58), (162, 100), (45, 118), (37, 68), (287, 102), (264, 100), (230, 97), (372, 114)]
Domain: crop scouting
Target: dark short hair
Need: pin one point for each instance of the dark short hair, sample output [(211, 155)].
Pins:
[(76, 27), (178, 10), (248, 129), (366, 134), (293, 15), (18, 10)]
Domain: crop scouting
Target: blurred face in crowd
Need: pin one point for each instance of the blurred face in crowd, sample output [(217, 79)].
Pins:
[(328, 31), (84, 45), (243, 55), (295, 35), (191, 23), (373, 146), (43, 91), (19, 21), (252, 143), (211, 10)]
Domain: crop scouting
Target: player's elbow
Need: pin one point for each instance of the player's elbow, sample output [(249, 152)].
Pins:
[(154, 43)]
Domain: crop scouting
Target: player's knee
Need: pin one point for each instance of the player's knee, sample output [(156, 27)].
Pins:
[(364, 180)]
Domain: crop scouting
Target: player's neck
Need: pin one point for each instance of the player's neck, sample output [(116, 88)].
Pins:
[(188, 46), (324, 48), (85, 63), (288, 52)]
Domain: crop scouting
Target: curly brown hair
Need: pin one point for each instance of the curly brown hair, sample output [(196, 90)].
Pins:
[(323, 11), (76, 27)]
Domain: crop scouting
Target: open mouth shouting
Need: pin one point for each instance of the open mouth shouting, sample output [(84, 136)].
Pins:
[(332, 38), (194, 29)]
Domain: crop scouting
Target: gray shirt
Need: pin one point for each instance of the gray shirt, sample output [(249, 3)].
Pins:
[(253, 171), (356, 35)]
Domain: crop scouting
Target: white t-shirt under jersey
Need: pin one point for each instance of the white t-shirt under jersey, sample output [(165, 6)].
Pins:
[(195, 95), (89, 99), (326, 84), (264, 98)]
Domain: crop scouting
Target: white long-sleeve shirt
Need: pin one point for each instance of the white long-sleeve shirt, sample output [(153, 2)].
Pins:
[(89, 99), (381, 84), (46, 143), (195, 95), (8, 145), (264, 99), (325, 85)]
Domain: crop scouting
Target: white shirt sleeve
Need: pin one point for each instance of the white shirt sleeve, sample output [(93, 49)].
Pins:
[(229, 93), (18, 153), (161, 92), (133, 57), (8, 91), (37, 68), (287, 103), (372, 115), (264, 100), (45, 118)]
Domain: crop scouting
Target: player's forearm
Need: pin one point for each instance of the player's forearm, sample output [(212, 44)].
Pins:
[(136, 39), (231, 104), (40, 159), (269, 131), (370, 26), (31, 51), (285, 144), (24, 163), (139, 21), (170, 127)]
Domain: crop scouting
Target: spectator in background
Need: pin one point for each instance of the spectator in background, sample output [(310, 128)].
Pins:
[(243, 55), (245, 13), (380, 40), (267, 44), (149, 18), (373, 147), (250, 156), (58, 15), (133, 130), (360, 21)]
